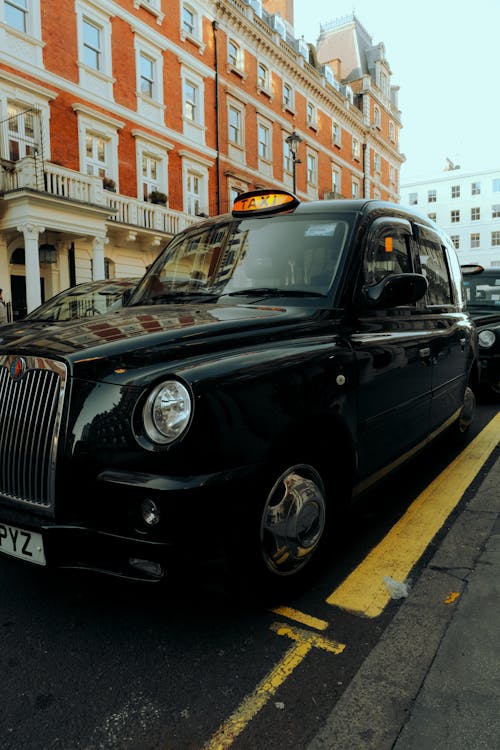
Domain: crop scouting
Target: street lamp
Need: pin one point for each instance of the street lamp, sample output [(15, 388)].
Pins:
[(293, 141)]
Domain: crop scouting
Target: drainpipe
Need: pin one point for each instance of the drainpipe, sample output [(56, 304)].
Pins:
[(364, 170), (215, 26)]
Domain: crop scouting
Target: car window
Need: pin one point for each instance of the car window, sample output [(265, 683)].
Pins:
[(435, 269), (387, 252)]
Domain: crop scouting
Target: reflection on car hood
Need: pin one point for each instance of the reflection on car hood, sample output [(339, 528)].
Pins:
[(139, 335)]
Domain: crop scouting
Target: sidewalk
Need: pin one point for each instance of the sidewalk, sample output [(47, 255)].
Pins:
[(445, 641)]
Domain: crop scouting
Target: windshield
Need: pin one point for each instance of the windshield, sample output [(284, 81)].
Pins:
[(483, 290), (289, 255), (81, 301)]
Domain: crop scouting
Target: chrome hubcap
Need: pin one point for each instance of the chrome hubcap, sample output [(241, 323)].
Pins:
[(468, 409), (293, 520)]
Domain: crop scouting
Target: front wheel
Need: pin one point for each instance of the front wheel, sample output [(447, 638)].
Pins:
[(276, 543)]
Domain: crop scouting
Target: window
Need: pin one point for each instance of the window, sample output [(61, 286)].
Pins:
[(288, 97), (98, 143), (92, 45), (431, 196), (475, 240), (496, 185), (355, 189), (455, 191), (455, 238), (495, 239), (234, 55), (311, 169), (475, 214), (16, 14), (387, 253), (435, 269), (23, 127), (147, 75), (312, 117), (455, 217), (336, 181), (234, 125), (188, 20), (356, 149), (392, 131), (264, 139), (495, 211), (152, 167), (263, 77), (392, 175), (287, 157), (193, 194), (150, 175), (475, 188), (376, 117), (96, 148), (190, 101), (413, 199), (432, 216), (376, 162), (336, 134)]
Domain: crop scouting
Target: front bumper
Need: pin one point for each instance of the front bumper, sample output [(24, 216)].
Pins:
[(114, 541)]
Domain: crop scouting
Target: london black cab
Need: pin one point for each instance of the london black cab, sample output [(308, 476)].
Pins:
[(482, 288), (271, 365)]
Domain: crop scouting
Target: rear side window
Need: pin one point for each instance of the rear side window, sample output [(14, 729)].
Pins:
[(434, 265)]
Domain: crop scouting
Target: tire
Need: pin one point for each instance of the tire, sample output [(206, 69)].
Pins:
[(284, 528), (462, 425)]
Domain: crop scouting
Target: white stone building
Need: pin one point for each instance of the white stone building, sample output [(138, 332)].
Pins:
[(466, 205)]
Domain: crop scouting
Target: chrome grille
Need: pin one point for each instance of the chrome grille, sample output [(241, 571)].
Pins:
[(31, 398)]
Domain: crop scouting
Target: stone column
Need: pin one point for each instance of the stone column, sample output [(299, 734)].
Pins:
[(31, 232), (98, 258)]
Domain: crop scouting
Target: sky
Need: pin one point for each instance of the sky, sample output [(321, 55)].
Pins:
[(443, 55)]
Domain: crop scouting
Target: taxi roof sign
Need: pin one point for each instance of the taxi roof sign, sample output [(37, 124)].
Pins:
[(262, 202)]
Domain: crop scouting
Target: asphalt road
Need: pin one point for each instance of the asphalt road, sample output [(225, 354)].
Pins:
[(89, 663)]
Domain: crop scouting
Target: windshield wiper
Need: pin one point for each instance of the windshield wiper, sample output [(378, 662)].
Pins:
[(270, 291), (178, 297)]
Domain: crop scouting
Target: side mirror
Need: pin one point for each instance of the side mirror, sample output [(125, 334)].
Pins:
[(394, 290)]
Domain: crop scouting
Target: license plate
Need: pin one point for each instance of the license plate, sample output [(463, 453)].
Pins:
[(28, 545)]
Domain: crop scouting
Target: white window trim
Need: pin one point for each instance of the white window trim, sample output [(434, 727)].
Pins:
[(147, 145), (14, 42), (155, 54), (267, 88), (199, 167), (16, 89), (233, 104), (101, 126), (291, 106), (313, 155), (153, 6), (312, 120), (197, 36), (262, 122), (88, 11), (239, 67), (188, 75)]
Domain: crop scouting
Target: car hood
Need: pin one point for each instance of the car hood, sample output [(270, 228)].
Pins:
[(141, 336), (484, 315)]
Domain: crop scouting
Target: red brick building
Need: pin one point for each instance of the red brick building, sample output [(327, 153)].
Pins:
[(122, 121)]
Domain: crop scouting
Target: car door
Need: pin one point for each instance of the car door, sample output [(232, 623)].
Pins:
[(392, 349), (451, 330)]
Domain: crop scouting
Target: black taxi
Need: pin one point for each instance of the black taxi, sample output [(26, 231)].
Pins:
[(272, 365), (482, 289)]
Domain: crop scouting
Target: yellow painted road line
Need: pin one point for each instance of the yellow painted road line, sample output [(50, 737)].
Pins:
[(295, 614), (251, 705), (364, 592)]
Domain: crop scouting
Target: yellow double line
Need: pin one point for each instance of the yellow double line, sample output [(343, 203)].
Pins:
[(364, 591)]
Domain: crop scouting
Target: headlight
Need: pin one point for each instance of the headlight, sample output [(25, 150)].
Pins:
[(167, 412), (486, 338)]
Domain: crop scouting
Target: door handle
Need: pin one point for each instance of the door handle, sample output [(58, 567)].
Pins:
[(425, 352)]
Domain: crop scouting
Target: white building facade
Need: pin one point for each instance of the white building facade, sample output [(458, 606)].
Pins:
[(466, 205)]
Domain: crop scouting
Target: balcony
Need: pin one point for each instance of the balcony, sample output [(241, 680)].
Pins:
[(34, 174)]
